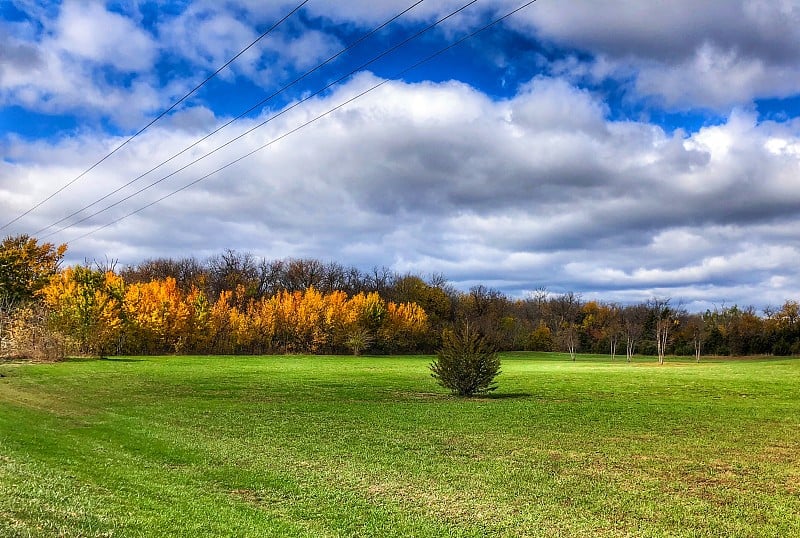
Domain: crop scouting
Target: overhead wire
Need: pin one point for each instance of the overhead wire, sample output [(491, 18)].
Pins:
[(311, 121), (231, 121), (266, 121), (154, 120)]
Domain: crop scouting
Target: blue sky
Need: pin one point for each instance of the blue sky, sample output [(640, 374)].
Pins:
[(635, 150)]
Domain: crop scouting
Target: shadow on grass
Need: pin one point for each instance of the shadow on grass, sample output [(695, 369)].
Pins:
[(507, 395), (110, 359), (120, 359)]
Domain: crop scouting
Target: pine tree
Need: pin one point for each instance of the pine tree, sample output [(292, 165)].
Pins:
[(467, 363)]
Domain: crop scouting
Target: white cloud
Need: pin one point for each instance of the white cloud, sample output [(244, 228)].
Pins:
[(715, 54), (440, 178), (88, 30), (63, 68)]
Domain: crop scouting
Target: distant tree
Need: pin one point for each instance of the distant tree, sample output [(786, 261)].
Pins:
[(739, 331), (433, 296), (666, 318), (187, 272), (694, 326), (634, 318), (541, 339), (231, 270), (159, 317), (379, 280), (487, 310), (611, 323), (467, 363), (565, 311), (303, 273)]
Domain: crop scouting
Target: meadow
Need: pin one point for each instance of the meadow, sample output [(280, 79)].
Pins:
[(371, 446)]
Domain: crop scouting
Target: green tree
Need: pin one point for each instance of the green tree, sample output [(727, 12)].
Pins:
[(26, 267), (467, 362)]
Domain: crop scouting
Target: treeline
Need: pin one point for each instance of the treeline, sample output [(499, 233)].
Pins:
[(237, 303)]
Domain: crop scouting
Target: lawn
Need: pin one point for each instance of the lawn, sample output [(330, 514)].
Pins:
[(370, 446)]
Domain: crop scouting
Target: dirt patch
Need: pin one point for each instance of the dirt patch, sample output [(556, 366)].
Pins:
[(783, 454), (248, 495), (445, 506)]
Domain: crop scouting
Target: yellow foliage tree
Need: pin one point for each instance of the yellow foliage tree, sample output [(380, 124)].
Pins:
[(405, 324), (86, 304), (160, 317)]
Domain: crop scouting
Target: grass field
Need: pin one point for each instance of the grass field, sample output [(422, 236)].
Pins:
[(370, 446)]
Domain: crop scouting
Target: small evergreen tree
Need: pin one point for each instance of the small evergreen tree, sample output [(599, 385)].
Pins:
[(466, 363)]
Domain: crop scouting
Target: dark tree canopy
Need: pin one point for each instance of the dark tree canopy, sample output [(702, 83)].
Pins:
[(467, 363)]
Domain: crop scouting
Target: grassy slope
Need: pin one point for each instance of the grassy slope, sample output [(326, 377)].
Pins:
[(339, 446)]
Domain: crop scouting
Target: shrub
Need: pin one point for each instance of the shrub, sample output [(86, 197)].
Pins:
[(359, 340), (467, 362), (28, 336)]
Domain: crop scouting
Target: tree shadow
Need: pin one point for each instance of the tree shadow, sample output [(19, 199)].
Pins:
[(508, 395), (120, 359)]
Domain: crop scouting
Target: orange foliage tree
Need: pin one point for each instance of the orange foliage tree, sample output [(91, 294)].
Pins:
[(104, 315)]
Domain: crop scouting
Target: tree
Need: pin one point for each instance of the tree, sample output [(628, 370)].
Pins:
[(633, 321), (26, 267), (86, 304), (565, 310), (187, 272), (231, 270), (158, 316), (611, 323), (665, 319), (467, 363), (695, 327)]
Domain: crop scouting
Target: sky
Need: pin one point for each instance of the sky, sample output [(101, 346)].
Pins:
[(620, 150)]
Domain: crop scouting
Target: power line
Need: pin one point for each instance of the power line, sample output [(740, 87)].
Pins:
[(309, 122), (240, 116), (271, 118), (164, 113)]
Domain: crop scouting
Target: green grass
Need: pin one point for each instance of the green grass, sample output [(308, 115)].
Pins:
[(343, 446)]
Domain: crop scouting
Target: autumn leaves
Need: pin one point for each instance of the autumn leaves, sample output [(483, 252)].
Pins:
[(100, 313)]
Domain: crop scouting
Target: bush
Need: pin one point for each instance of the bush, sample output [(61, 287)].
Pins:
[(466, 363), (27, 335)]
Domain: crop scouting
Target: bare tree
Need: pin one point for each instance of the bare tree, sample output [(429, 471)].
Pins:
[(270, 277), (535, 307), (379, 280), (564, 312), (633, 322), (105, 265), (696, 329), (187, 272), (665, 318), (612, 326), (231, 269), (303, 273)]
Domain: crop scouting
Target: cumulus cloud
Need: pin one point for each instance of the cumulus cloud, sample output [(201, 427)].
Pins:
[(542, 186), (714, 54), (65, 66), (541, 189), (88, 30)]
